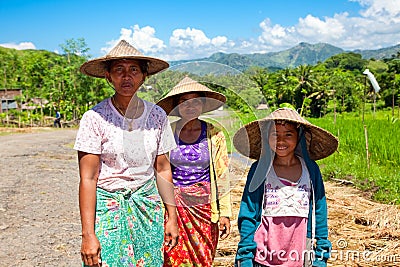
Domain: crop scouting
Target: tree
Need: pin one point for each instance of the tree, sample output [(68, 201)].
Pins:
[(72, 83), (347, 61), (260, 77), (390, 82), (285, 84), (73, 48), (306, 85)]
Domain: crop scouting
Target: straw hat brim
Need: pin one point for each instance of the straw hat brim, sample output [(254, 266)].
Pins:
[(97, 67), (248, 139), (213, 100)]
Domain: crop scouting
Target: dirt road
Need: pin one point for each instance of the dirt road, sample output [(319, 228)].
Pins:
[(39, 224)]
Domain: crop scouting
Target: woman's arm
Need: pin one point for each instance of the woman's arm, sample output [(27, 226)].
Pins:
[(89, 171), (221, 163), (166, 189)]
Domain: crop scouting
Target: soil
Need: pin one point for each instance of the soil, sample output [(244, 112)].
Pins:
[(39, 214), (39, 223)]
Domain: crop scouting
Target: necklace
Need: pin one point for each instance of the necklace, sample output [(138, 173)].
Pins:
[(126, 120), (116, 106)]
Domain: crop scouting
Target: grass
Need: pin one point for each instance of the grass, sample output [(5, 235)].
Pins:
[(377, 172)]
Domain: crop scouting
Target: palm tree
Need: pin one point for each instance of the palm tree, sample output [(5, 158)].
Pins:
[(285, 84), (306, 85)]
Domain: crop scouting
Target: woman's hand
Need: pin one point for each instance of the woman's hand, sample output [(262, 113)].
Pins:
[(171, 234), (224, 227), (90, 250)]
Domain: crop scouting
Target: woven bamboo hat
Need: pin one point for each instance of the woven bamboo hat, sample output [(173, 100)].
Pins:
[(213, 100), (123, 50), (320, 143)]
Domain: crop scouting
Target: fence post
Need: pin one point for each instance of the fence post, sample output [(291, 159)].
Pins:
[(366, 144)]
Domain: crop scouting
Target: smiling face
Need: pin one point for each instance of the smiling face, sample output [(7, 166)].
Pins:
[(126, 76), (282, 138), (190, 106)]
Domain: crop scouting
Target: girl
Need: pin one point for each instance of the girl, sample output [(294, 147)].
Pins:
[(283, 208)]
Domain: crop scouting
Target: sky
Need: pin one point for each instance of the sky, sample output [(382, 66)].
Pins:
[(179, 30)]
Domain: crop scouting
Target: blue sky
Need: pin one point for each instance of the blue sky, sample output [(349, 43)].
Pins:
[(175, 30)]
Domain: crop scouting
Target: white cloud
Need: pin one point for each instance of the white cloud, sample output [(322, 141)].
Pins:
[(145, 39), (219, 41), (183, 43), (381, 10), (20, 46), (328, 29), (141, 38), (188, 37), (377, 25), (276, 35), (193, 43)]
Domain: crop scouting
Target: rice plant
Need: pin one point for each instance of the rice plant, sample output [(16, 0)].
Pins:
[(368, 155)]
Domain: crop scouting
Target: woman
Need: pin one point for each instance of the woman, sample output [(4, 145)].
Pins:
[(122, 146), (200, 175)]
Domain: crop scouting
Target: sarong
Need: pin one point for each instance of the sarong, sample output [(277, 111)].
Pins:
[(130, 226), (198, 236)]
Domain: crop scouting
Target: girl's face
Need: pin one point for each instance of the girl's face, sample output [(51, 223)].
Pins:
[(126, 76), (283, 139), (190, 106)]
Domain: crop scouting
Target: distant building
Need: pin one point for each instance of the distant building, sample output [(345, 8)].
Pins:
[(8, 101), (263, 106), (7, 97)]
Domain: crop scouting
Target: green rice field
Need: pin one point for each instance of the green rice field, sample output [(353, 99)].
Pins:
[(378, 174)]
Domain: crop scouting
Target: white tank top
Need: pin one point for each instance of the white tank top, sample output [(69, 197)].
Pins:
[(282, 199)]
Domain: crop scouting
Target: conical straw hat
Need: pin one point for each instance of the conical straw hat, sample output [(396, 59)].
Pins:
[(123, 50), (213, 100), (320, 143)]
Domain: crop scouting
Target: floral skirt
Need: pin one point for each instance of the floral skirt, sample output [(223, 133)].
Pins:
[(198, 236), (130, 227)]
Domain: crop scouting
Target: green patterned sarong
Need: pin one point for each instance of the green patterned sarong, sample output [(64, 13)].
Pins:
[(129, 226)]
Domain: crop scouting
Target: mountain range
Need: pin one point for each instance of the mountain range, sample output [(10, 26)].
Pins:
[(301, 54)]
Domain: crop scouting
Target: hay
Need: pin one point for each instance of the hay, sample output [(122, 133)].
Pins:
[(363, 233)]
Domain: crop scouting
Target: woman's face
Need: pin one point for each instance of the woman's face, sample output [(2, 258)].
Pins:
[(190, 106), (126, 76), (282, 139)]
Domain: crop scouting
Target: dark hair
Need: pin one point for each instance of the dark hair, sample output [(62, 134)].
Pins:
[(143, 64), (175, 100), (283, 122)]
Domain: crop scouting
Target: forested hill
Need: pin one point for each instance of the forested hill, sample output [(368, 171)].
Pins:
[(307, 75), (302, 54)]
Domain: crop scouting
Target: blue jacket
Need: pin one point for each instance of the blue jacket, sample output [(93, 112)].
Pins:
[(249, 217)]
